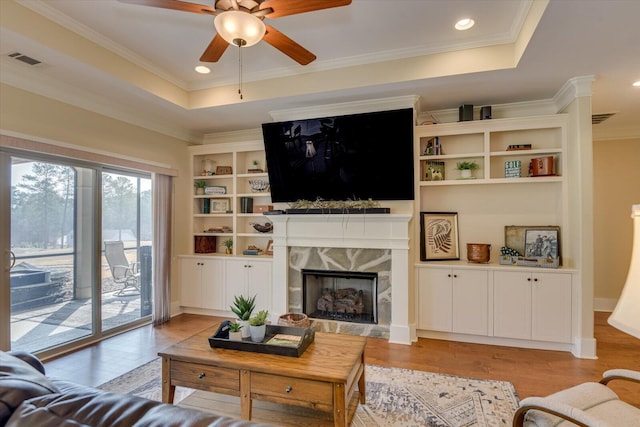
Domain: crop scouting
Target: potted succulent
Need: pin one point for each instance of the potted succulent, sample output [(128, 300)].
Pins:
[(235, 331), (465, 168), (228, 244), (258, 326), (199, 187), (243, 308)]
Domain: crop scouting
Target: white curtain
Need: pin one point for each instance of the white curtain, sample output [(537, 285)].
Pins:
[(162, 207)]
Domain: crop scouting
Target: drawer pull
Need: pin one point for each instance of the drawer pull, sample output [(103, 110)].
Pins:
[(202, 375), (288, 389)]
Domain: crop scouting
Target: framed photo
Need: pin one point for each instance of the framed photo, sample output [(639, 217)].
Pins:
[(515, 237), (439, 236), (269, 250), (219, 205), (541, 243), (432, 170), (224, 170)]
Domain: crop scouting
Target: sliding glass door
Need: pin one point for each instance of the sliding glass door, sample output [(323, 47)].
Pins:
[(126, 263), (51, 280), (60, 287)]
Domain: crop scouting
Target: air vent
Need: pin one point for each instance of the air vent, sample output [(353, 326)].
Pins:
[(24, 58), (596, 119)]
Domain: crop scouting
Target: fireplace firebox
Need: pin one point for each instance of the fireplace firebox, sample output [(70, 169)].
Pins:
[(348, 296)]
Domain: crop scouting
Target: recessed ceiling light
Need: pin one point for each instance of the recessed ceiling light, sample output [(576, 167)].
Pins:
[(202, 69), (464, 24), (636, 84)]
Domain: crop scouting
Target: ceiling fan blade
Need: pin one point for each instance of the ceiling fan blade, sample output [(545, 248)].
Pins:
[(215, 49), (292, 7), (287, 46), (175, 5)]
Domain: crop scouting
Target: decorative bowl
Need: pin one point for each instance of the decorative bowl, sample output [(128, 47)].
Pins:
[(258, 185)]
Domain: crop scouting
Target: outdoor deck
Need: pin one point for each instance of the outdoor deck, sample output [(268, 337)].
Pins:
[(43, 327)]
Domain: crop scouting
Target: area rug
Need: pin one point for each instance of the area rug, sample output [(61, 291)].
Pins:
[(395, 397)]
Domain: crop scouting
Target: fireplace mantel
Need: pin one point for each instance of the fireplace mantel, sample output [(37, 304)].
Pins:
[(367, 231)]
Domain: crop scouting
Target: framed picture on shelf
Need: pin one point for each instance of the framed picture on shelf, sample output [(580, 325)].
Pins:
[(515, 237), (541, 243), (432, 170), (224, 170), (219, 205), (439, 236), (269, 250), (215, 189)]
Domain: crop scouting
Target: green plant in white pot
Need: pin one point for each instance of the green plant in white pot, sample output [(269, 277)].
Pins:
[(466, 168), (258, 326), (243, 308), (235, 331)]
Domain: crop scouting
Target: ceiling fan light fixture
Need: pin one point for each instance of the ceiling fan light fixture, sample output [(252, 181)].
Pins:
[(636, 84), (235, 24)]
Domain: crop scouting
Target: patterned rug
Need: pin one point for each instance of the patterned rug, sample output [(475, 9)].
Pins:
[(395, 397)]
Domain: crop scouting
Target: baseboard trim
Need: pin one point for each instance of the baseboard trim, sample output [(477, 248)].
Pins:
[(604, 304)]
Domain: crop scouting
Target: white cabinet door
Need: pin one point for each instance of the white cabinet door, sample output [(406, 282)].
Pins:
[(470, 289), (259, 283), (532, 306), (249, 278), (212, 274), (512, 304), (190, 282), (434, 299), (551, 307)]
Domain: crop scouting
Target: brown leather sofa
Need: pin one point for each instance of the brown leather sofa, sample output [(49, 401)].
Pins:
[(29, 398)]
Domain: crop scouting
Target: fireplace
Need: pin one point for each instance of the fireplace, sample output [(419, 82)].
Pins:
[(376, 244), (347, 296)]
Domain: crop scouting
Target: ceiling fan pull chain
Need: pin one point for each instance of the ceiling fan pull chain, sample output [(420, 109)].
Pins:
[(240, 70)]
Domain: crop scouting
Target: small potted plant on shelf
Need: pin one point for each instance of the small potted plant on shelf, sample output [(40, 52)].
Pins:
[(243, 308), (466, 168), (228, 244), (199, 187), (258, 326), (235, 331)]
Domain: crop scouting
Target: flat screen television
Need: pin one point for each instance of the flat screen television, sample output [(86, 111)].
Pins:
[(351, 157)]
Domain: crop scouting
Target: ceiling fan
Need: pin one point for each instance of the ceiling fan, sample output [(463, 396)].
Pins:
[(240, 22)]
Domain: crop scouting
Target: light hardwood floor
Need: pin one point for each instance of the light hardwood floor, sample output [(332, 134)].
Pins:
[(533, 372)]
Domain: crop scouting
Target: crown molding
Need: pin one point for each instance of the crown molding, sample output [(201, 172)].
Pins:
[(575, 87), (233, 136)]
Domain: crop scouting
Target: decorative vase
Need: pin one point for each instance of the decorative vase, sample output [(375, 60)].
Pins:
[(228, 251), (465, 173), (199, 191), (257, 332), (246, 333), (235, 336)]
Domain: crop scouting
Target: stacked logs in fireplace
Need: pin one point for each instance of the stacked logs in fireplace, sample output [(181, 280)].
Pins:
[(346, 304)]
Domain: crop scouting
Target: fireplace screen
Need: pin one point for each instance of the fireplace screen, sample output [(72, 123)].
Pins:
[(349, 296)]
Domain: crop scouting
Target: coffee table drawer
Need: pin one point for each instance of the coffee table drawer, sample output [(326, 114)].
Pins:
[(203, 377), (287, 388)]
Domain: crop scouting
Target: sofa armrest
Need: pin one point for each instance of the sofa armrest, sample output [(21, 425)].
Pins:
[(559, 409), (620, 374), (29, 358)]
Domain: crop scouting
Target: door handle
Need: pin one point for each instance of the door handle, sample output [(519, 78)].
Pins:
[(13, 259)]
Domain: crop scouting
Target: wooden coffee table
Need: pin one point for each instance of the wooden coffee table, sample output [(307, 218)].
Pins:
[(323, 378)]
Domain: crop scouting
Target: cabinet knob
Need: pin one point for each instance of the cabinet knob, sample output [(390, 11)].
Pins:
[(288, 389), (448, 275), (202, 375), (528, 279), (535, 279), (455, 275)]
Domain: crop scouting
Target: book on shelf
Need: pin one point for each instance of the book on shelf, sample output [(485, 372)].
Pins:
[(285, 340), (515, 147)]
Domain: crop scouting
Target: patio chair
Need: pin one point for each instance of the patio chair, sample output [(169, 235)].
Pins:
[(123, 272)]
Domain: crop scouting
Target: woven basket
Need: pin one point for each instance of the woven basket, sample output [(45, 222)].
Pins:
[(294, 319)]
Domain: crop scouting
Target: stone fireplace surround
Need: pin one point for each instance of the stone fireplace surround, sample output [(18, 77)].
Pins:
[(367, 242)]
